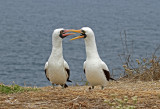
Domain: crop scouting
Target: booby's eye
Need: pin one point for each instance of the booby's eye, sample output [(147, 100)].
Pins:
[(62, 32)]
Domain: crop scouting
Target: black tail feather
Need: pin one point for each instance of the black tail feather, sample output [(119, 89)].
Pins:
[(112, 79), (69, 80)]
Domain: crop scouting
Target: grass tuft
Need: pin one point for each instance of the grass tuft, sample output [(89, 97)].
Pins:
[(4, 89), (123, 103)]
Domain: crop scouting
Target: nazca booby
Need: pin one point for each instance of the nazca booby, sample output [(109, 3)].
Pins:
[(56, 68), (96, 71)]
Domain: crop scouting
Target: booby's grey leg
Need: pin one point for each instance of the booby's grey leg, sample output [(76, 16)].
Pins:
[(92, 87), (62, 86), (53, 85), (102, 87)]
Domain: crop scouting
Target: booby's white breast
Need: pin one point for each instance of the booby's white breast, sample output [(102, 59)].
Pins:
[(94, 72)]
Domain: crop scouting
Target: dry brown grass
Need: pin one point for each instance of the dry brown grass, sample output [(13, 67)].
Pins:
[(148, 94)]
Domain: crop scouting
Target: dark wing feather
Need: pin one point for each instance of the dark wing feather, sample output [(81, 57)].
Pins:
[(68, 72), (46, 74), (84, 71), (107, 74)]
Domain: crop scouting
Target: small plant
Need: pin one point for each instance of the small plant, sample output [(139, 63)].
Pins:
[(145, 69), (14, 89), (122, 103), (134, 99), (148, 69), (83, 81)]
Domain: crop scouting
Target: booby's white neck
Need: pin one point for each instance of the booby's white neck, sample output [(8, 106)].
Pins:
[(57, 51), (91, 48)]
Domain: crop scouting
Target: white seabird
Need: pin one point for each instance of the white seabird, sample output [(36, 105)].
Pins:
[(96, 71), (56, 68)]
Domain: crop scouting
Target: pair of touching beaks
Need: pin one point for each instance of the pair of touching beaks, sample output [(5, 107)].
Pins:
[(72, 30)]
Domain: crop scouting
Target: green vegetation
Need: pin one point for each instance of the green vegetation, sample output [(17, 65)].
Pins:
[(14, 89), (83, 81), (122, 103)]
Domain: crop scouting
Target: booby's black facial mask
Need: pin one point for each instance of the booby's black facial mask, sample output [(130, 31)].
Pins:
[(63, 33), (83, 34)]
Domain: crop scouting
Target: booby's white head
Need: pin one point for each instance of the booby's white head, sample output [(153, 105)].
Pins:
[(86, 33), (57, 37), (59, 34)]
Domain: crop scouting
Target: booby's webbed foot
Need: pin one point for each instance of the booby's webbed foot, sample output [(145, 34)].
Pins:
[(64, 86), (102, 87), (92, 87)]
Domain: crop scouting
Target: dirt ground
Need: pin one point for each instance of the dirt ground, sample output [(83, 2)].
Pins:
[(75, 97)]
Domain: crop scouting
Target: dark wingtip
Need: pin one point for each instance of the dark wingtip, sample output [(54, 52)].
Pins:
[(46, 74), (107, 74), (68, 72)]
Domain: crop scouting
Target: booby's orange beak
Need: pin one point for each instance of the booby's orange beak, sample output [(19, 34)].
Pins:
[(78, 37), (66, 31), (76, 31)]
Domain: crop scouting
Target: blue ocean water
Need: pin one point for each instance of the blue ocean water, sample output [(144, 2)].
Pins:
[(26, 27)]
